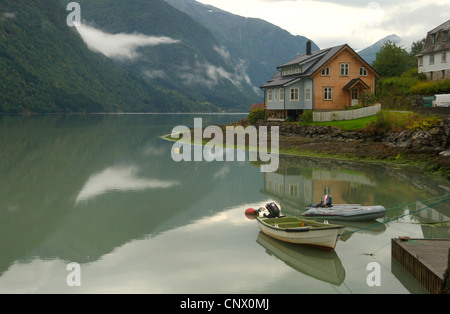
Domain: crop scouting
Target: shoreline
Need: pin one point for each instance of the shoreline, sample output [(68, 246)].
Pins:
[(372, 152)]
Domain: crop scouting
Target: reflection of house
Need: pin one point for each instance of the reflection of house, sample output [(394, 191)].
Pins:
[(296, 188), (332, 78), (434, 222), (344, 187), (293, 189), (434, 59)]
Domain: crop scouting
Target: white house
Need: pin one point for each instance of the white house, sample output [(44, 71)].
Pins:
[(434, 59)]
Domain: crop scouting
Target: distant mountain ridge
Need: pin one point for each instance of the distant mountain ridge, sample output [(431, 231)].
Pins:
[(369, 54), (258, 46)]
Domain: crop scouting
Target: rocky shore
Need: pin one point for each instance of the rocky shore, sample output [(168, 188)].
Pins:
[(428, 148)]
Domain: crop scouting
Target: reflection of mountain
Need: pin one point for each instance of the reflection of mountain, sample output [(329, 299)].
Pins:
[(319, 264), (49, 161)]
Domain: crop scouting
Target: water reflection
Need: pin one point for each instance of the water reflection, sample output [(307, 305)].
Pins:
[(119, 179), (103, 191), (319, 264)]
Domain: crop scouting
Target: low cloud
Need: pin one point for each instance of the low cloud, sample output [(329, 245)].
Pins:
[(153, 74), (209, 75), (7, 15), (119, 46), (119, 179)]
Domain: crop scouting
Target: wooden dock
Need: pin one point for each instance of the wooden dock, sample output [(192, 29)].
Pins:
[(426, 259)]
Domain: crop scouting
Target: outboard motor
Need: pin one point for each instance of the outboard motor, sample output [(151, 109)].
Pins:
[(327, 201), (273, 210)]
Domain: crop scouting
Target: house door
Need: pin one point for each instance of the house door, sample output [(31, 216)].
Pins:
[(355, 96)]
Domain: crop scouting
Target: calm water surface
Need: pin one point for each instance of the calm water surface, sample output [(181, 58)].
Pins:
[(103, 191)]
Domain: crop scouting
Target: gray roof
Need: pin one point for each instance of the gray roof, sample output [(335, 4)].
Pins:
[(319, 57), (440, 44)]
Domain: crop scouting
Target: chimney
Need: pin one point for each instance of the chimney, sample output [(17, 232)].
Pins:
[(308, 47)]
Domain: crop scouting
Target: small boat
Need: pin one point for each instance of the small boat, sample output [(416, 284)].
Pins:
[(349, 212), (300, 231)]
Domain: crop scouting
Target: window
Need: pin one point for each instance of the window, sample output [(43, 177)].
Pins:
[(328, 93), (445, 36), (421, 61), (270, 95), (290, 70), (432, 58), (362, 72), (433, 38), (307, 94), (444, 57), (294, 94), (275, 95), (344, 69), (281, 94), (293, 190), (326, 71)]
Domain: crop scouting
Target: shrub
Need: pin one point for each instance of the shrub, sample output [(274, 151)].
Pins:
[(431, 88), (307, 116), (257, 114)]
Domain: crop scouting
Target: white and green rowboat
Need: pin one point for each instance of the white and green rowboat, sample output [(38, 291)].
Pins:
[(301, 231)]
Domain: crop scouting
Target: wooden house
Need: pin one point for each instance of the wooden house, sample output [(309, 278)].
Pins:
[(328, 79)]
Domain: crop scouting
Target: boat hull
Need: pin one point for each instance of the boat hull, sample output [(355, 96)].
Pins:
[(321, 235), (346, 212)]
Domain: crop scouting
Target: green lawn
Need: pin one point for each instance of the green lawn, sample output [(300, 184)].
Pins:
[(395, 117)]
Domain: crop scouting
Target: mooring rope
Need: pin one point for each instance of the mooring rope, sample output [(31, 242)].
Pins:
[(396, 218), (424, 201)]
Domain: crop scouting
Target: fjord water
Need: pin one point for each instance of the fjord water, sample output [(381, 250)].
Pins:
[(103, 191)]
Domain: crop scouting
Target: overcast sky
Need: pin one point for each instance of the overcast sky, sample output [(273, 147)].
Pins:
[(359, 23)]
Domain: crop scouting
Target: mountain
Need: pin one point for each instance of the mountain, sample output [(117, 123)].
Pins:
[(192, 62), (257, 46), (45, 66), (369, 54)]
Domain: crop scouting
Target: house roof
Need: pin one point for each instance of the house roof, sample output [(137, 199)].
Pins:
[(257, 106), (317, 59), (354, 82), (439, 44)]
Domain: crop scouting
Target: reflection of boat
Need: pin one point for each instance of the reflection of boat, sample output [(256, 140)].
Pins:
[(300, 231), (319, 264), (346, 212)]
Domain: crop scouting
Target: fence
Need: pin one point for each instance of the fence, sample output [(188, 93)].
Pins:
[(326, 116)]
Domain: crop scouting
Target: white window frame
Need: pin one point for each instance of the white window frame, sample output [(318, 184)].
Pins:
[(294, 94), (345, 69), (362, 71), (281, 91), (307, 93), (326, 71), (270, 95), (432, 58), (328, 93), (444, 57), (293, 190)]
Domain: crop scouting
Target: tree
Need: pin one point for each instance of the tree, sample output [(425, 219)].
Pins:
[(392, 60)]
